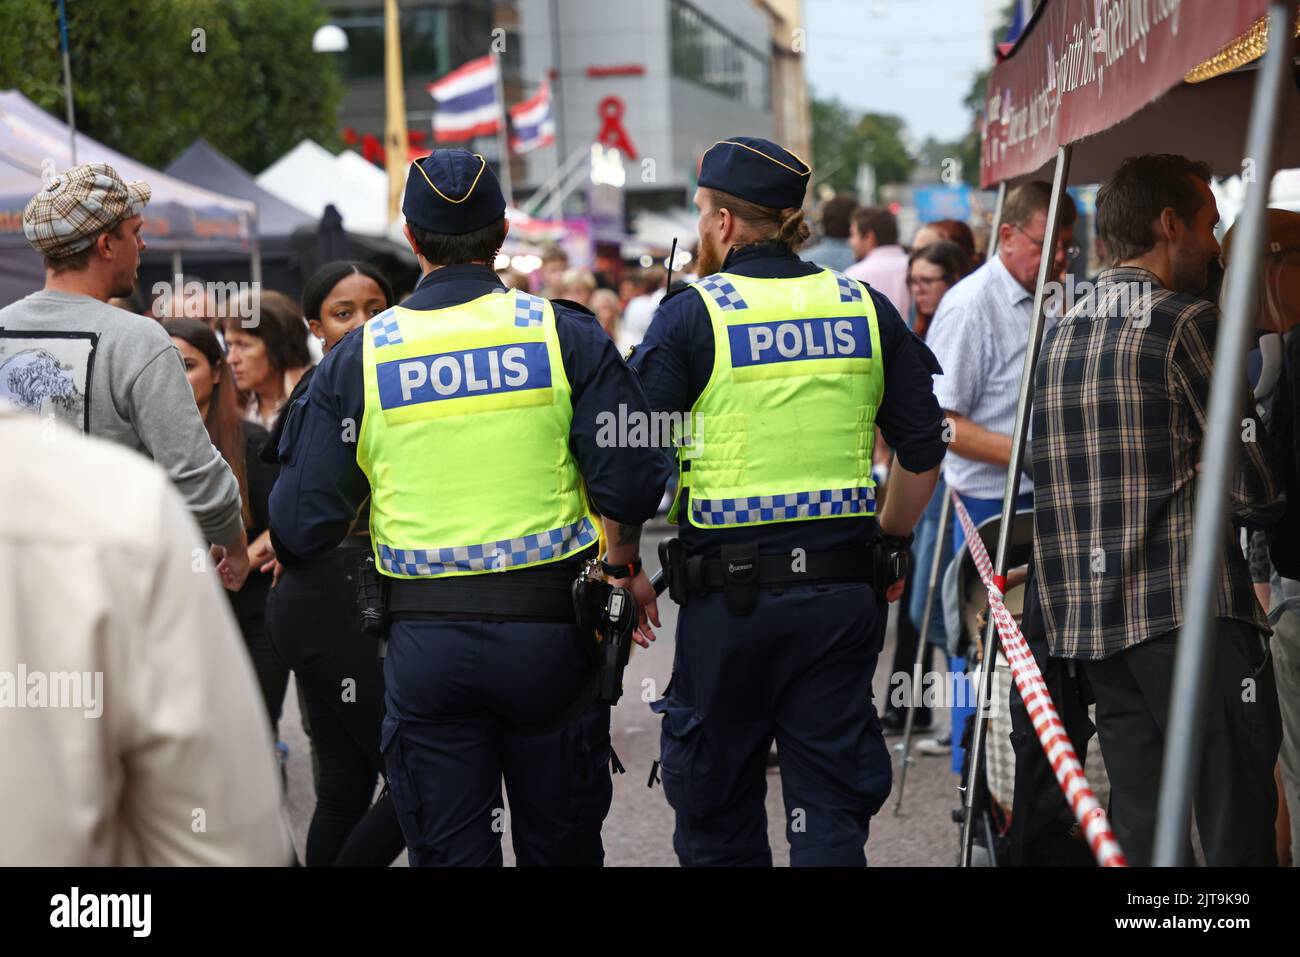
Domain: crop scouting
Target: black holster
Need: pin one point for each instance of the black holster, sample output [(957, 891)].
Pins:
[(372, 601), (606, 617), (676, 568), (740, 580)]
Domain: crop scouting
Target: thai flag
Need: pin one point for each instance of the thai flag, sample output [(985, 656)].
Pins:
[(467, 102), (531, 124)]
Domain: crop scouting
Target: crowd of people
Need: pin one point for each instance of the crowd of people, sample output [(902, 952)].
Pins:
[(1120, 398), (1108, 478)]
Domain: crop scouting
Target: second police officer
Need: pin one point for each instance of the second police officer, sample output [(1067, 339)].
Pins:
[(473, 413), (782, 564)]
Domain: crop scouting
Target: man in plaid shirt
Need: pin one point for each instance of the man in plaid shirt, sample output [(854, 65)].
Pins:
[(1121, 394)]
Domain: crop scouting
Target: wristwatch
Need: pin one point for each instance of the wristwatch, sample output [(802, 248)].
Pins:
[(627, 570)]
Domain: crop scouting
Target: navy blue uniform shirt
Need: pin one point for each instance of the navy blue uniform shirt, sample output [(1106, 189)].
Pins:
[(321, 486), (676, 360)]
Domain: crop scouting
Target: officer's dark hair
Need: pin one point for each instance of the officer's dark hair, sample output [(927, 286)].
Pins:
[(279, 324), (323, 281), (837, 213), (878, 220), (1130, 202), (763, 223), (480, 246), (223, 422)]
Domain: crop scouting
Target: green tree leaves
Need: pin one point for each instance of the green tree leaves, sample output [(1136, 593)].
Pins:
[(149, 76), (843, 139)]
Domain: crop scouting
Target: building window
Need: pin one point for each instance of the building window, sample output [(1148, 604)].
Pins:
[(706, 53), (426, 42)]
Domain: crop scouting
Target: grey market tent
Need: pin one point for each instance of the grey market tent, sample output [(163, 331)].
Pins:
[(180, 216)]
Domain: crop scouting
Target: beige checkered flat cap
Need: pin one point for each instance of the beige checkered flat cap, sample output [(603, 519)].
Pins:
[(76, 205)]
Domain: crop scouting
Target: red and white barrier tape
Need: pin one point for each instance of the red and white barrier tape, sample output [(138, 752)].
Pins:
[(1051, 733)]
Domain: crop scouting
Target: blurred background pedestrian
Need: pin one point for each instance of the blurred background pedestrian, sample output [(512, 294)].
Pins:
[(267, 354), (952, 231), (604, 303), (240, 443), (882, 262), (832, 249), (578, 286)]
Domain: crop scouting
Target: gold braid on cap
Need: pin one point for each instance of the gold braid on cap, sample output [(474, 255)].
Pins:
[(807, 170), (468, 192)]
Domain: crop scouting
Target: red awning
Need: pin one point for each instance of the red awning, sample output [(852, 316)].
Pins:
[(1088, 66)]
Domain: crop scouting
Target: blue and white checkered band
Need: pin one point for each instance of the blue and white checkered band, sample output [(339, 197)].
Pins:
[(528, 309), (721, 292), (777, 508), (850, 291), (491, 556), (384, 329)]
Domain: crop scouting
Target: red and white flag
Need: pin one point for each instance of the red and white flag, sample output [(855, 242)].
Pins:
[(531, 124), (467, 103)]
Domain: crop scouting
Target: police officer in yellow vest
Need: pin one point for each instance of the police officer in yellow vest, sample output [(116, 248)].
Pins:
[(469, 415), (783, 562)]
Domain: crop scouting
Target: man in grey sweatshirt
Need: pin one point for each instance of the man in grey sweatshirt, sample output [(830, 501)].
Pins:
[(65, 352)]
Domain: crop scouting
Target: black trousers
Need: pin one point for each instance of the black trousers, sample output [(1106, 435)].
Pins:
[(1044, 831), (313, 623), (249, 606), (1235, 798)]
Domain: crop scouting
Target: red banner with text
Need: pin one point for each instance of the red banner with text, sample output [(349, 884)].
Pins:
[(1085, 65)]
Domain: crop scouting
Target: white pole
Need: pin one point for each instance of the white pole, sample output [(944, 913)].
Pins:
[(503, 136)]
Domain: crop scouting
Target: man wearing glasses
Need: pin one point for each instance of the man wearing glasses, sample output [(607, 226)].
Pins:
[(979, 334)]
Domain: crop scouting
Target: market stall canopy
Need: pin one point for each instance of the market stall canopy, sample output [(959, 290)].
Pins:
[(310, 177), (1161, 76), (179, 216), (204, 165)]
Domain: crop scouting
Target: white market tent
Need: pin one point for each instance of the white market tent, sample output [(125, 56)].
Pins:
[(310, 177)]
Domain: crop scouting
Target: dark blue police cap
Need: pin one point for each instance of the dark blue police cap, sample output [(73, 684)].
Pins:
[(757, 170), (452, 192)]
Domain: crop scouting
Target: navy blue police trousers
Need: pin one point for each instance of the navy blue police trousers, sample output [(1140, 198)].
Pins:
[(798, 669), (456, 693)]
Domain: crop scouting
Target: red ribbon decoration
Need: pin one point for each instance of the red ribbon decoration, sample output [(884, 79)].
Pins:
[(611, 133)]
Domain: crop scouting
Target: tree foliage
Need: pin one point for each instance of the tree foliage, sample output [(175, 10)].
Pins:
[(149, 76), (844, 139)]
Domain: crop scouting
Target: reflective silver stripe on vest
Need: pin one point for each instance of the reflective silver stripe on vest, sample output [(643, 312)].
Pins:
[(773, 508), (491, 556)]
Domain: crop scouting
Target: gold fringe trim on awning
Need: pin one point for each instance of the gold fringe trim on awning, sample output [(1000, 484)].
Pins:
[(1247, 48)]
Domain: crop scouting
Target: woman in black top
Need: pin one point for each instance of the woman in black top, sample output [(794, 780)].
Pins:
[(313, 623), (240, 443)]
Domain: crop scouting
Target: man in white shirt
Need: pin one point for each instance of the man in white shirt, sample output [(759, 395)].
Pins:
[(131, 727), (979, 334), (882, 262)]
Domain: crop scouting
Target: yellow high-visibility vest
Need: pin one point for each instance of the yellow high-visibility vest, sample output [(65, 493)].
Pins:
[(783, 430), (465, 439)]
